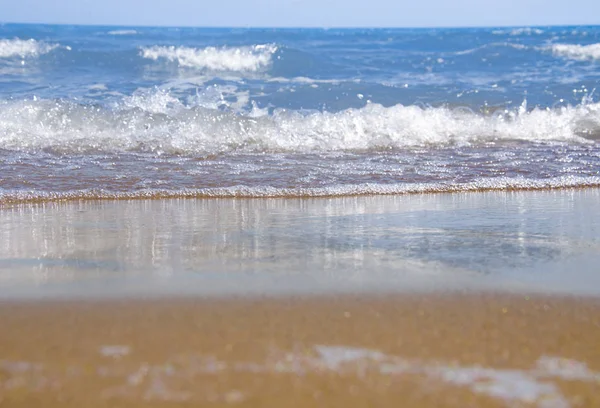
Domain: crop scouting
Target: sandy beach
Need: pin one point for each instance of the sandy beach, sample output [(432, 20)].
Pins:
[(434, 350), (457, 300)]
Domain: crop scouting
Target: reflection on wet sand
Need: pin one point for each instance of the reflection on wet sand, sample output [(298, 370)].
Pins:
[(504, 238)]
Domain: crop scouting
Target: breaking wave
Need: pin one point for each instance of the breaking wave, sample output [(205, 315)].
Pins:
[(167, 125), (16, 47), (238, 59), (577, 52)]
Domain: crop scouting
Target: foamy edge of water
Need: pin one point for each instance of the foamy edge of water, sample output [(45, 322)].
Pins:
[(481, 185)]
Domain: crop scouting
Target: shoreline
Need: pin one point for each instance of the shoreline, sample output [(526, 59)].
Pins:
[(422, 350), (301, 194)]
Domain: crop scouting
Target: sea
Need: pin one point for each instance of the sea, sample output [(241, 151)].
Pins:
[(91, 112), (145, 160)]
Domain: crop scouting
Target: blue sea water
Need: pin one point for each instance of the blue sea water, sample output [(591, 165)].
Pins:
[(91, 112)]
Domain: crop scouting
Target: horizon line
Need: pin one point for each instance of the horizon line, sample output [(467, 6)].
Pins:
[(335, 27)]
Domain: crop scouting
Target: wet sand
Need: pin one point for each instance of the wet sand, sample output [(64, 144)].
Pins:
[(427, 350), (500, 241), (452, 300)]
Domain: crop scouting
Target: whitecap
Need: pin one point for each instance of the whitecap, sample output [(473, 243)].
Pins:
[(237, 59), (576, 51), (122, 32), (16, 47), (519, 31)]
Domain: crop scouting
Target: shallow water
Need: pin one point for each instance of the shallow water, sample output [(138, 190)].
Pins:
[(516, 241)]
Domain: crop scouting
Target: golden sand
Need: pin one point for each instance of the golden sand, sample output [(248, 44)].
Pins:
[(430, 350)]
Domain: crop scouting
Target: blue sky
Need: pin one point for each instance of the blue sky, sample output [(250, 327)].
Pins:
[(304, 13)]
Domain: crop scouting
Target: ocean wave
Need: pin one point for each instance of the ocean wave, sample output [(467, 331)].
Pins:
[(165, 124), (481, 185), (491, 45), (16, 47), (310, 81), (238, 59), (122, 32), (576, 51), (519, 31)]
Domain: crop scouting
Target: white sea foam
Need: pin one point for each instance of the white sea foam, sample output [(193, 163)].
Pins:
[(153, 102), (115, 351), (97, 87), (491, 45), (238, 59), (334, 357), (241, 191), (310, 81), (24, 48), (211, 97), (535, 387), (576, 51), (160, 122), (122, 32)]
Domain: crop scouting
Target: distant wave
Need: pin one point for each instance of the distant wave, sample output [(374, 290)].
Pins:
[(577, 52), (122, 32), (519, 31), (240, 59), (481, 185), (491, 45), (24, 48), (310, 81), (165, 124)]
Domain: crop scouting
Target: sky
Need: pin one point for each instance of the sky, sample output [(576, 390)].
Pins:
[(304, 13)]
